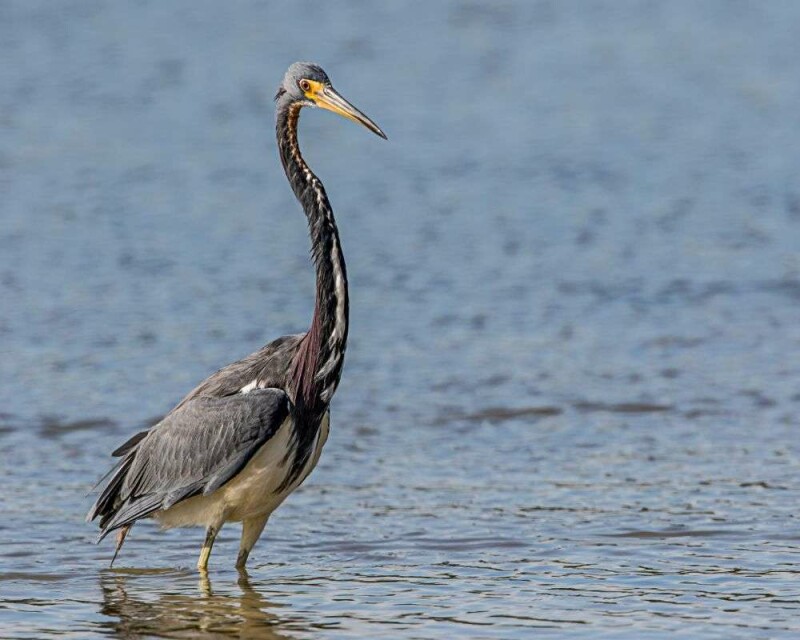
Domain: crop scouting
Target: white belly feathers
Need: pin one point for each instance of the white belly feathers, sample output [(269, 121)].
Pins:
[(252, 492)]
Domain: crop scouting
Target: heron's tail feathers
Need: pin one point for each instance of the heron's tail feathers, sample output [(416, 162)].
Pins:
[(104, 505)]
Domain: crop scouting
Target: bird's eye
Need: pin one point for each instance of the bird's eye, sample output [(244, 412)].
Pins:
[(305, 85)]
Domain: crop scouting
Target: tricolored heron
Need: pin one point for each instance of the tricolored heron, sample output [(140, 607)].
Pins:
[(238, 444)]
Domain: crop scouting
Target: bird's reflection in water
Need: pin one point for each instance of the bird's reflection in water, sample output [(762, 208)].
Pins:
[(138, 609)]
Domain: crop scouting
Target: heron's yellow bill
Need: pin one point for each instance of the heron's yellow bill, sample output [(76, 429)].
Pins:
[(327, 97)]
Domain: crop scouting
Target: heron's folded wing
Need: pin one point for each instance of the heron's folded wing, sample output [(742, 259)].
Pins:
[(195, 449)]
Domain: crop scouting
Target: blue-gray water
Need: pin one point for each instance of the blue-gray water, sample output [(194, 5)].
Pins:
[(572, 396)]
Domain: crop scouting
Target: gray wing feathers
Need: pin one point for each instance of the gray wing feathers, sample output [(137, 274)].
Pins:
[(196, 449)]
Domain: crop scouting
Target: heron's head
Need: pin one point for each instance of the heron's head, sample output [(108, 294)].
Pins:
[(307, 84)]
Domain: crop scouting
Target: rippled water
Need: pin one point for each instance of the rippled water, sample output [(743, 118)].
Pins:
[(570, 407)]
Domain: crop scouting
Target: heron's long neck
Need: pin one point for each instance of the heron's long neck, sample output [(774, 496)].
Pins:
[(317, 367)]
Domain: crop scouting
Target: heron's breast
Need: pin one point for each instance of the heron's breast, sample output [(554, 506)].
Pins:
[(257, 488), (254, 490), (319, 442)]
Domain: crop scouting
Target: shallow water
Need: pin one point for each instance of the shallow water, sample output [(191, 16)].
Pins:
[(570, 406)]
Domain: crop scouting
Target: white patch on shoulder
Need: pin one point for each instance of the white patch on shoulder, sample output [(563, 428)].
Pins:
[(249, 387)]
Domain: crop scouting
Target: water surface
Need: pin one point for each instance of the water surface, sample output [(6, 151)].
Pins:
[(570, 405)]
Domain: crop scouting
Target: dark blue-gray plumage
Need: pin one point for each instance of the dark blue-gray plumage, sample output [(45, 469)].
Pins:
[(238, 444)]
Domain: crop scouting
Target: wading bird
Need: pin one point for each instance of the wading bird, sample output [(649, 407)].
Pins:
[(238, 444)]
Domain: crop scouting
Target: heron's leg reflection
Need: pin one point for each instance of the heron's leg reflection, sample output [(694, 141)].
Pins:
[(204, 584), (168, 603)]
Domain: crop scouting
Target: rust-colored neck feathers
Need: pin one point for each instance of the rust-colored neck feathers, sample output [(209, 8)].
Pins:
[(317, 367)]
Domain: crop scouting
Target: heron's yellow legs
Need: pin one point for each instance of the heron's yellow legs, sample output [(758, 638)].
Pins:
[(251, 530), (205, 552)]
